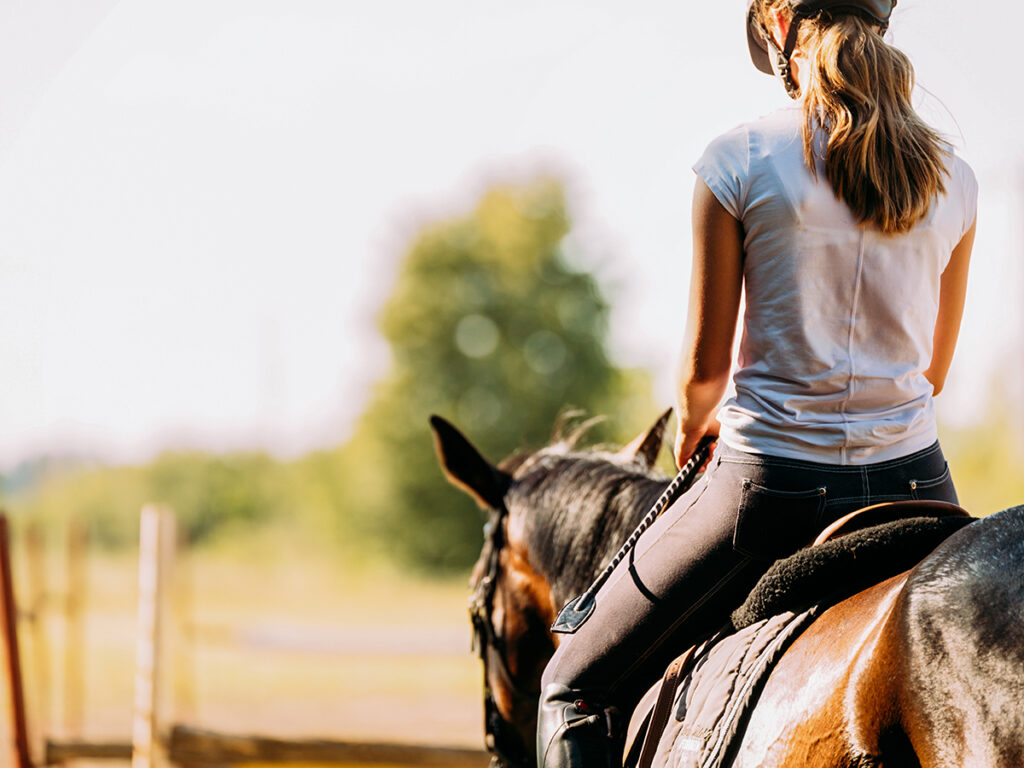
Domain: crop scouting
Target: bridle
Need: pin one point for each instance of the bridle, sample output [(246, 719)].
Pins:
[(501, 741)]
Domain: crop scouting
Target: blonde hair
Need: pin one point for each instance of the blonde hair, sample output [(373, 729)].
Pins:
[(885, 162)]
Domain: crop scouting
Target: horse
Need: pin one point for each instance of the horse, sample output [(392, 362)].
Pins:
[(925, 669)]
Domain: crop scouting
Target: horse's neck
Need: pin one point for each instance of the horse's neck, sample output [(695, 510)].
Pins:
[(596, 535)]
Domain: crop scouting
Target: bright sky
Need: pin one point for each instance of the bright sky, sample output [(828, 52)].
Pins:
[(202, 202)]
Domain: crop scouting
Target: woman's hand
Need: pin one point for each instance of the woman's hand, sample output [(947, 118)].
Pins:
[(686, 441)]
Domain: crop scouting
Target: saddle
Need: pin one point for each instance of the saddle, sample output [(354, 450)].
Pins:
[(887, 512), (700, 708)]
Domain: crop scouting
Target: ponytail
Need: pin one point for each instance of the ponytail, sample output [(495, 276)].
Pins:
[(881, 158)]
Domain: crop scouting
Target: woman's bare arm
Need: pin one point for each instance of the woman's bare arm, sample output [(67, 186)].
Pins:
[(952, 294), (715, 285)]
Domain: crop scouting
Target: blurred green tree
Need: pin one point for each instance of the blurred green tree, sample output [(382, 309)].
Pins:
[(490, 327), (208, 492)]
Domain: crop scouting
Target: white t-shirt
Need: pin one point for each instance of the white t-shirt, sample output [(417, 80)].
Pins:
[(839, 318)]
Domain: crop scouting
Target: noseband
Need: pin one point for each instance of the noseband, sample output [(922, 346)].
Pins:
[(501, 741)]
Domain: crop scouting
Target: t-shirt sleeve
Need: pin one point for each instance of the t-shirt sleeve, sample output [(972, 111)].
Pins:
[(969, 192), (724, 168)]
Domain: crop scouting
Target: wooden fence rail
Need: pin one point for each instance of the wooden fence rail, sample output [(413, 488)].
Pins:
[(197, 748)]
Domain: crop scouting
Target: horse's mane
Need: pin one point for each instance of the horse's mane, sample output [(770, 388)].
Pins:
[(578, 507)]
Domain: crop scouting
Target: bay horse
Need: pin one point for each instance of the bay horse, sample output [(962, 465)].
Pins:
[(925, 669)]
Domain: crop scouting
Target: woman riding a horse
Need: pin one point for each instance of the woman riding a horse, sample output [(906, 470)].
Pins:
[(848, 223)]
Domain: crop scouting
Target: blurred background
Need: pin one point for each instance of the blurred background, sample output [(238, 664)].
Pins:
[(248, 246)]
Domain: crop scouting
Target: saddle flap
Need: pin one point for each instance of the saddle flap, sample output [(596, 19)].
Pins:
[(714, 698)]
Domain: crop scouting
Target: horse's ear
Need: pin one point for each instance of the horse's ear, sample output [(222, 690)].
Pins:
[(647, 445), (466, 468)]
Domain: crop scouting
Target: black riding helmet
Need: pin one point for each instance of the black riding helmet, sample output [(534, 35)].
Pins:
[(760, 42)]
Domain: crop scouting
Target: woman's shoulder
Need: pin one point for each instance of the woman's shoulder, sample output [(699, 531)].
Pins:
[(728, 142), (960, 170), (961, 185), (961, 192), (773, 130), (734, 161)]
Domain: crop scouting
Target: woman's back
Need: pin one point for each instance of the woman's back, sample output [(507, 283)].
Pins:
[(839, 316)]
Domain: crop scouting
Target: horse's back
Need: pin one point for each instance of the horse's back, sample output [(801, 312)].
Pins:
[(925, 669), (962, 619)]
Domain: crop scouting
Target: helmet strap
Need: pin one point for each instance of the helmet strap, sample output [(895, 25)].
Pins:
[(782, 57)]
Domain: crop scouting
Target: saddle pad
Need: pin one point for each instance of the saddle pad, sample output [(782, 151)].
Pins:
[(835, 570), (713, 702)]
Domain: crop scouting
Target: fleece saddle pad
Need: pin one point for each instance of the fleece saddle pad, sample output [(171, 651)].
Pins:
[(830, 572), (714, 699)]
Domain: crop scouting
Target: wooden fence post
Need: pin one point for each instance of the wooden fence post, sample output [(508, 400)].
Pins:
[(10, 639), (38, 594), (74, 638), (156, 545), (183, 635)]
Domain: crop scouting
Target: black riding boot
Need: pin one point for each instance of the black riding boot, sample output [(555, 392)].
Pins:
[(572, 732)]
